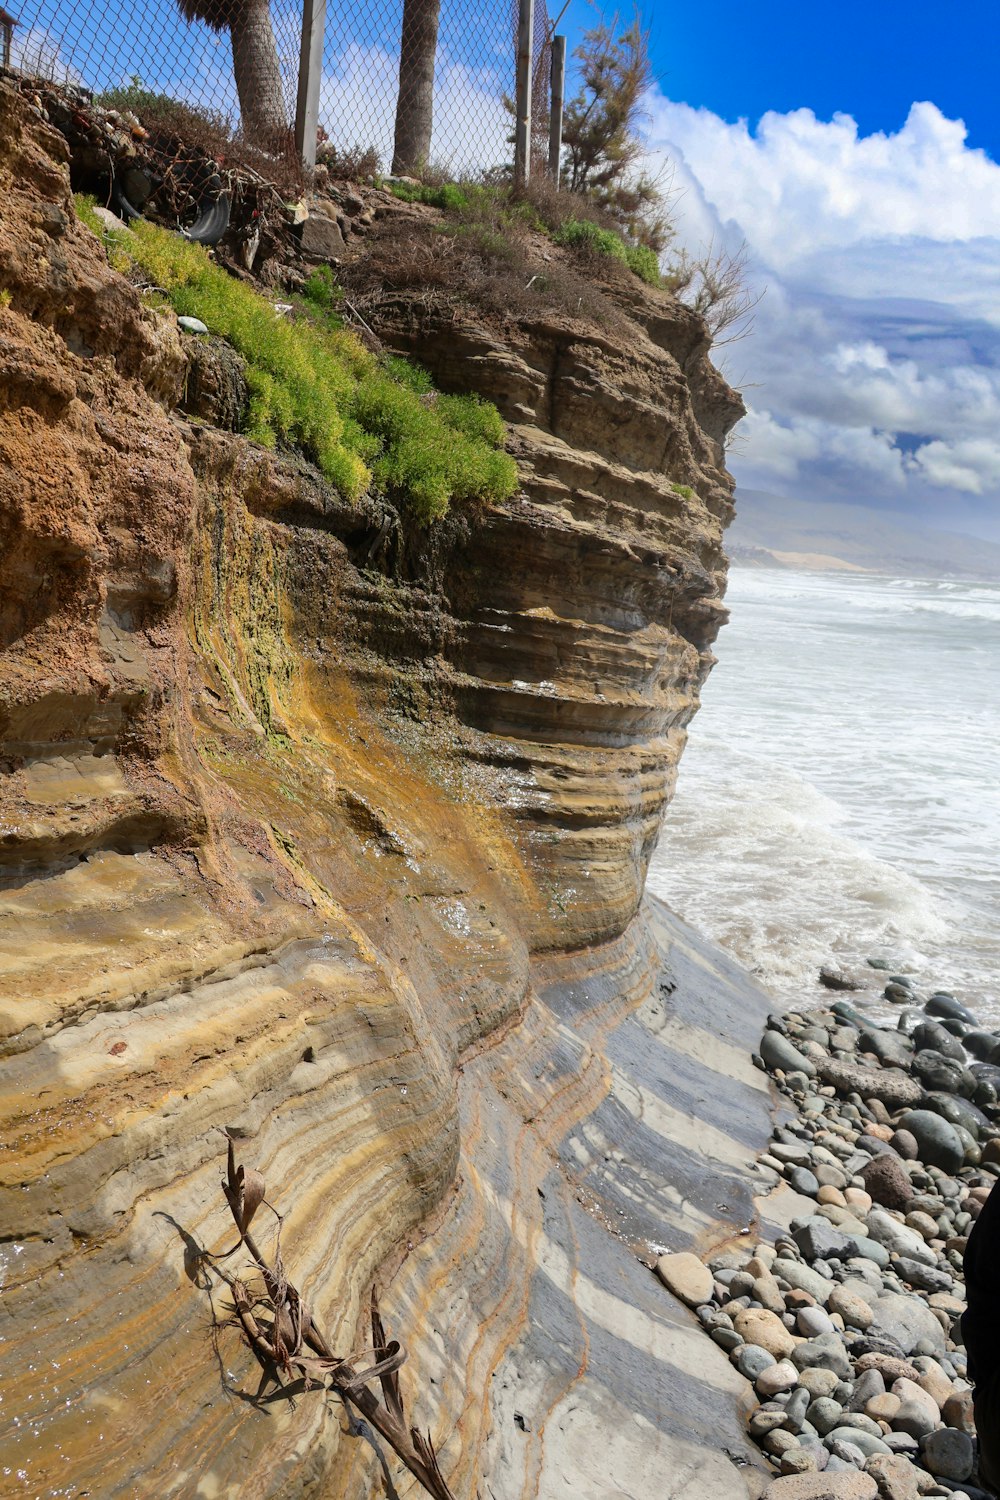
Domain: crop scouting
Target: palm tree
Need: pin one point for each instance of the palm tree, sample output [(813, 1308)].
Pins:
[(415, 104), (255, 62)]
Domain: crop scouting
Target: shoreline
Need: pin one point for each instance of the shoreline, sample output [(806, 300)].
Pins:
[(842, 1312)]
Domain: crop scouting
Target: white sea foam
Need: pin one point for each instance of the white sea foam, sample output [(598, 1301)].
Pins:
[(840, 793)]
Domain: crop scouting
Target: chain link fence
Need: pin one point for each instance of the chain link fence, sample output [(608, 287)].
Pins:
[(237, 61)]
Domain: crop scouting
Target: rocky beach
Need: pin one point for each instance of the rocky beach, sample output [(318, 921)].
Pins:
[(842, 1312)]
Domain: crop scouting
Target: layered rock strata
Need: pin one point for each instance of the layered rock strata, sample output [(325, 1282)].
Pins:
[(292, 799)]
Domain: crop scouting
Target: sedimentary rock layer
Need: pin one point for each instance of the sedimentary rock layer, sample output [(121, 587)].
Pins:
[(291, 797)]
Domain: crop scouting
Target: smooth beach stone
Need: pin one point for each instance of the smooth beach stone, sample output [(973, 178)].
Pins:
[(948, 1453), (741, 1285), (794, 1153), (844, 1454), (812, 1321), (797, 1461), (958, 1412), (918, 1412), (827, 1352), (890, 1367), (751, 1360), (854, 1310), (982, 1044), (901, 1442), (898, 1239), (858, 1199), (726, 1338), (932, 1036), (938, 1141), (795, 1409), (904, 1143), (684, 1275), (934, 1380), (899, 994), (803, 1181), (943, 1004), (768, 1294), (867, 1386), (961, 1112), (845, 1219), (192, 325), (777, 1378), (892, 1048), (763, 1421), (779, 1441), (882, 1408), (907, 1321), (828, 1193), (859, 1438), (803, 1277), (818, 1382), (765, 1330), (936, 1071), (825, 1414), (895, 1476), (870, 1250), (779, 1053), (923, 1277), (922, 1222)]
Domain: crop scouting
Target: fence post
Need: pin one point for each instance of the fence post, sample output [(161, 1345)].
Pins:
[(310, 70), (522, 128), (556, 114)]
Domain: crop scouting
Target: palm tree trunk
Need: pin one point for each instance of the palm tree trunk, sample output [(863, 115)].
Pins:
[(415, 105), (258, 74)]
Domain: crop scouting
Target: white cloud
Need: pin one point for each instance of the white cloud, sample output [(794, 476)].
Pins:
[(875, 359), (971, 467), (797, 184)]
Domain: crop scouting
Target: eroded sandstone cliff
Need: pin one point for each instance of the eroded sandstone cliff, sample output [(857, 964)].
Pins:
[(304, 813)]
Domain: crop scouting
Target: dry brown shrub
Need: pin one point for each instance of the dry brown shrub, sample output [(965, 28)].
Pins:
[(499, 267)]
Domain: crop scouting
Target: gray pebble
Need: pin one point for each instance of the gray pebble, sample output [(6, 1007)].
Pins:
[(948, 1453), (751, 1360), (825, 1414), (801, 1180)]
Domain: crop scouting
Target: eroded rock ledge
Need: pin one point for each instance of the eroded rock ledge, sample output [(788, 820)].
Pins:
[(302, 817)]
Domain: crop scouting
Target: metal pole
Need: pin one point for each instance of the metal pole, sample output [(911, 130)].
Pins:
[(522, 128), (556, 114), (310, 70)]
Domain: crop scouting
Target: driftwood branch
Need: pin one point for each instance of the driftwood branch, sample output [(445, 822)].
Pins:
[(278, 1328)]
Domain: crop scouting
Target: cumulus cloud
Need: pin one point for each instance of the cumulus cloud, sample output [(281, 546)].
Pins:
[(875, 360)]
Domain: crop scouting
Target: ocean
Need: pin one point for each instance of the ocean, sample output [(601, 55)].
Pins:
[(839, 797)]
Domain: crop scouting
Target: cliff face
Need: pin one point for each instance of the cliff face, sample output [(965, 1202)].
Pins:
[(295, 801)]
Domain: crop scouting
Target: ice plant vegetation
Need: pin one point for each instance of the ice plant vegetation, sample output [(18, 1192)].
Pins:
[(314, 387)]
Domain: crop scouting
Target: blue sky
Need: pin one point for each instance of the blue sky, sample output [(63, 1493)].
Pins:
[(870, 61)]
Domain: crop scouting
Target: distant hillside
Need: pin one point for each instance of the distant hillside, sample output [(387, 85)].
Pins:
[(773, 531)]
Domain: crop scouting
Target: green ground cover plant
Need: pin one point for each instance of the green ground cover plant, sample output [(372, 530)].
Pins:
[(314, 387)]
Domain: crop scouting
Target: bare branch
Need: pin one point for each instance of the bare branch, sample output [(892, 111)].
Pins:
[(278, 1328)]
